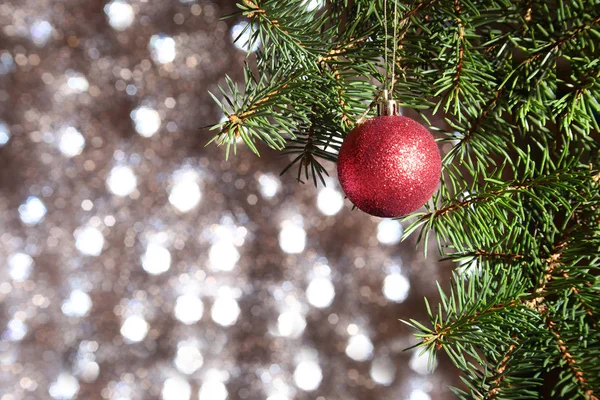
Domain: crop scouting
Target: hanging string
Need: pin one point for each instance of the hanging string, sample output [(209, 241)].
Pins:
[(395, 42), (385, 58), (390, 80)]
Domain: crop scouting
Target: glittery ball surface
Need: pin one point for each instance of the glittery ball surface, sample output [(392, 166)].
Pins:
[(389, 166)]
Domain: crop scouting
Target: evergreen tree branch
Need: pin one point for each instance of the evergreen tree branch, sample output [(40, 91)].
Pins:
[(570, 360), (496, 385)]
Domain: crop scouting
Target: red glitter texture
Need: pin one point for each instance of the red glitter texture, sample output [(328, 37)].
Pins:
[(389, 166)]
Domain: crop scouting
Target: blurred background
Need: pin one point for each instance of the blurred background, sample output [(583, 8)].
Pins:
[(138, 264)]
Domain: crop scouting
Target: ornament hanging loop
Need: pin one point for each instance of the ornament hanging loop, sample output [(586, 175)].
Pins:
[(387, 106)]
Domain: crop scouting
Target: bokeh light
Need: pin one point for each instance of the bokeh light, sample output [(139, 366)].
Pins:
[(89, 241), (330, 201), (320, 292), (396, 287), (308, 375), (162, 48), (65, 387), (121, 181), (389, 232), (359, 348), (225, 311), (140, 264), (383, 371), (32, 211), (134, 328), (189, 358), (185, 193), (20, 266), (176, 389), (78, 304), (4, 131), (147, 121), (71, 142), (292, 238), (157, 259), (312, 5), (213, 390), (291, 324), (41, 32), (15, 330), (120, 14), (188, 309), (242, 36)]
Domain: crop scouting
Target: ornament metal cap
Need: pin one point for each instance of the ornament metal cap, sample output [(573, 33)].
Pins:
[(387, 106)]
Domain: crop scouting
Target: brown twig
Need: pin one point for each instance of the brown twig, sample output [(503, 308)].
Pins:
[(461, 48), (495, 389)]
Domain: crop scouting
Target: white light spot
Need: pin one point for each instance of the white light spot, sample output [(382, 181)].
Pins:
[(352, 329), (420, 363), (320, 292), (20, 266), (120, 15), (65, 387), (71, 142), (383, 371), (418, 394), (389, 231), (78, 83), (89, 241), (359, 348), (188, 359), (32, 211), (468, 268), (292, 239), (396, 287), (147, 121), (291, 324), (88, 370), (223, 256), (225, 311), (243, 33), (269, 185), (4, 133), (77, 305), (156, 260), (189, 309), (330, 201), (185, 194), (308, 375), (41, 32), (134, 328), (121, 181), (176, 389), (313, 4), (213, 390), (15, 330), (162, 48)]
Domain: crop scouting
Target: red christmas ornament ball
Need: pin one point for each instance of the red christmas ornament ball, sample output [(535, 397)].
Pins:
[(389, 166)]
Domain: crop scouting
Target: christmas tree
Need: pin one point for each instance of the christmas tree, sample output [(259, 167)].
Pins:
[(512, 89)]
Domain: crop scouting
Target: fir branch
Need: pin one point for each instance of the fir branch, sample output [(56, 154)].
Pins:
[(467, 134), (495, 387), (442, 334), (461, 45), (556, 44), (570, 359), (498, 255)]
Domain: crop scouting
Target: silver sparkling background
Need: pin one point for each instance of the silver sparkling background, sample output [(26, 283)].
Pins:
[(137, 264)]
